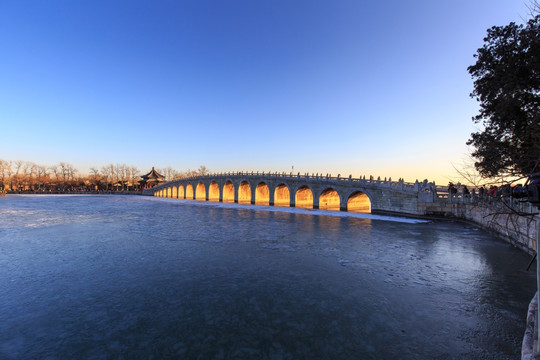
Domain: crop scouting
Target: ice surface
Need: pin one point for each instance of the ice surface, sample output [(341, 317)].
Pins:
[(93, 277)]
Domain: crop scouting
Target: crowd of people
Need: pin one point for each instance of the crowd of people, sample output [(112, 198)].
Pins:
[(505, 191)]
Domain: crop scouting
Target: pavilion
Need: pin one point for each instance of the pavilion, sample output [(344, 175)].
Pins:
[(153, 178)]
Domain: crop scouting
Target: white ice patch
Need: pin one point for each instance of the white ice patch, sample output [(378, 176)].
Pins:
[(289, 210)]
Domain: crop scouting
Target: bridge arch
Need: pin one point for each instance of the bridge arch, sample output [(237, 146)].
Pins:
[(359, 201), (262, 194), (181, 192), (213, 191), (200, 192), (329, 199), (189, 191), (303, 197), (168, 192), (175, 192), (228, 191), (244, 193), (282, 195)]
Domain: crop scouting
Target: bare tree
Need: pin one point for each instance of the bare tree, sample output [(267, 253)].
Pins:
[(123, 175), (117, 176), (28, 172), (16, 175), (55, 181), (9, 171), (72, 171), (108, 172), (534, 7), (134, 177), (466, 173), (4, 174), (203, 171), (169, 173), (95, 178), (65, 174), (42, 177)]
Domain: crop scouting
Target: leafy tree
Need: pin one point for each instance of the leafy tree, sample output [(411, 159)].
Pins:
[(507, 85)]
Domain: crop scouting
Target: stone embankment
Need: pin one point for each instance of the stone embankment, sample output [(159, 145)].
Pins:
[(530, 337), (512, 220)]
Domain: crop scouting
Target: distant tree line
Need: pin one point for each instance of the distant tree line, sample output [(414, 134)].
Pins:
[(26, 176), (171, 174)]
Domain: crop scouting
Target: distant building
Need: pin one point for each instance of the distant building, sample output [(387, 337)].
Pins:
[(153, 178)]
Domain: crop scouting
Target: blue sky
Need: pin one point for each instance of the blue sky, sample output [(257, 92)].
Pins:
[(350, 87)]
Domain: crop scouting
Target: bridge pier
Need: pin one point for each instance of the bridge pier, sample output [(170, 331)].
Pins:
[(271, 193), (253, 189)]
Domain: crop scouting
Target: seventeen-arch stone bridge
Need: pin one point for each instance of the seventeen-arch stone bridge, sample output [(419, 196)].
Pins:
[(359, 195), (304, 191)]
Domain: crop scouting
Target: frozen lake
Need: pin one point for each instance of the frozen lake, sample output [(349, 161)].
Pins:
[(94, 277)]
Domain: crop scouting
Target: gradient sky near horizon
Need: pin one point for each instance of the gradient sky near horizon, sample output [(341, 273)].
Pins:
[(353, 87)]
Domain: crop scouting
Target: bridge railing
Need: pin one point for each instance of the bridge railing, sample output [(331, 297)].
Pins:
[(506, 202)]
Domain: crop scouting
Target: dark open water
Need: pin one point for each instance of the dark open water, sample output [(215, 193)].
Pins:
[(92, 277)]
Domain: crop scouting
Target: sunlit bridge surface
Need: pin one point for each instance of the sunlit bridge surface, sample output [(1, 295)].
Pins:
[(189, 191), (107, 277), (213, 192), (329, 200), (228, 192), (200, 192), (282, 196), (244, 193), (359, 202), (262, 194), (304, 198), (181, 192)]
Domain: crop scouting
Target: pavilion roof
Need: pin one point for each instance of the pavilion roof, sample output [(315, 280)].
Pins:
[(153, 175)]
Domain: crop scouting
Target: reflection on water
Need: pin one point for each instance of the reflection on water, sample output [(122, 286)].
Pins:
[(133, 277)]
